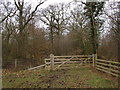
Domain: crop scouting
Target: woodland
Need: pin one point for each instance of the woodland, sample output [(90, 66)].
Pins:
[(31, 33)]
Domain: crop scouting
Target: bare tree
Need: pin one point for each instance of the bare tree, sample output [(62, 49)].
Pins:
[(47, 17), (23, 20), (7, 11), (60, 23), (114, 24), (7, 35), (78, 27), (54, 17)]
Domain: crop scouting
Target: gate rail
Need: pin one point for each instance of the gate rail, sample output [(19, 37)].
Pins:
[(110, 67), (55, 62)]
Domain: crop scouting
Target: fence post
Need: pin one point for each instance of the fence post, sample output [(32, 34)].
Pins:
[(45, 64), (109, 66), (15, 63), (52, 61), (93, 60)]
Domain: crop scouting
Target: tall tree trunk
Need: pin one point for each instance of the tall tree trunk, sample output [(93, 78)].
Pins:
[(93, 36), (118, 38), (51, 38), (21, 37), (21, 46), (8, 46), (118, 31), (58, 41)]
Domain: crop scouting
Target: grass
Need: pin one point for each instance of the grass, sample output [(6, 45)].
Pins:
[(82, 77), (99, 82)]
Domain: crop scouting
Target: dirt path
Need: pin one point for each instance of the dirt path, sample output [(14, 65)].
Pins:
[(82, 77)]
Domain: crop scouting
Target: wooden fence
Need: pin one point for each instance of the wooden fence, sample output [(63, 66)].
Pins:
[(110, 67), (55, 62)]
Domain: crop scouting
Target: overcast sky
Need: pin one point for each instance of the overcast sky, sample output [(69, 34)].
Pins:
[(55, 1), (35, 2), (48, 2)]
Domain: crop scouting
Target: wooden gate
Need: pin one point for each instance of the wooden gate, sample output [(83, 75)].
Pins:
[(55, 62)]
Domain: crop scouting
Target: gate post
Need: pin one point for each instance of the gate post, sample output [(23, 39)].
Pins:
[(93, 58), (52, 61), (15, 63), (45, 64)]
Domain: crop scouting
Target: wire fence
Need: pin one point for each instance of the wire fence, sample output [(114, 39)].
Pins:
[(21, 64)]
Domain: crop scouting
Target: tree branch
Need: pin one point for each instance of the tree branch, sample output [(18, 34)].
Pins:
[(32, 14)]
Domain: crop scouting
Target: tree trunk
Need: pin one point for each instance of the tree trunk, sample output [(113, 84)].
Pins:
[(21, 46), (58, 41), (118, 38), (21, 36), (51, 38), (93, 36)]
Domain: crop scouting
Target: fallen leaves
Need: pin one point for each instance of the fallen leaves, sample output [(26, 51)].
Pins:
[(75, 78)]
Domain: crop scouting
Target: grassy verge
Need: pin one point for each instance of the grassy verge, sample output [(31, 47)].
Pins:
[(82, 77)]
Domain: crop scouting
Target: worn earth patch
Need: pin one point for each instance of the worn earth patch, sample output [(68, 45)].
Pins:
[(82, 77)]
